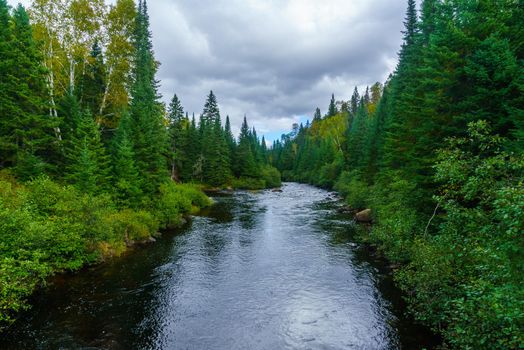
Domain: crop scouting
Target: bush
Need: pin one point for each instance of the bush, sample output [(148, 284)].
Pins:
[(271, 176), (355, 191), (176, 200)]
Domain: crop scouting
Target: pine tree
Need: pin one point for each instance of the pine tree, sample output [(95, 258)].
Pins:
[(92, 85), (230, 139), (193, 169), (88, 163), (332, 109), (245, 164), (355, 98), (211, 112), (178, 125), (125, 173), (318, 116), (357, 137), (26, 134), (148, 132)]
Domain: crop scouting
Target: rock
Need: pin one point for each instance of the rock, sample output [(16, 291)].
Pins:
[(364, 216), (278, 190)]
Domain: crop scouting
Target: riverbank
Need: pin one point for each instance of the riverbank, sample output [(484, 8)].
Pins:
[(48, 228)]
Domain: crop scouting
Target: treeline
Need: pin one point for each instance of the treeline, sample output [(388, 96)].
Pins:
[(206, 152), (437, 152)]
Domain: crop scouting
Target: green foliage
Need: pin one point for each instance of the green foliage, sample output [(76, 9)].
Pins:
[(354, 191), (471, 269), (178, 200), (271, 177), (46, 228)]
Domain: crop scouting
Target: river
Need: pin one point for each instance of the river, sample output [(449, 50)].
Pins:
[(262, 270)]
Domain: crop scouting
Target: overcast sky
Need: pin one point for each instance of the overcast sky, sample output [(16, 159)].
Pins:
[(273, 60)]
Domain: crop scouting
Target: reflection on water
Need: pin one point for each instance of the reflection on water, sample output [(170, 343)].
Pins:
[(258, 271)]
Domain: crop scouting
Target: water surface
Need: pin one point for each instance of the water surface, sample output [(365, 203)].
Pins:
[(260, 270)]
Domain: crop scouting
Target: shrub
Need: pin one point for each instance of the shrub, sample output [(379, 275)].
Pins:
[(355, 191), (271, 176), (176, 200)]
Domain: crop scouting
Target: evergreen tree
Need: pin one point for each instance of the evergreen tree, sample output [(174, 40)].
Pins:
[(332, 109), (245, 164), (318, 116), (355, 98), (148, 132), (92, 86), (178, 126), (26, 134), (211, 112), (88, 163), (230, 139), (125, 173)]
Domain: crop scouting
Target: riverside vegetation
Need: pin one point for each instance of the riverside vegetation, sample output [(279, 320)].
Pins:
[(90, 159), (437, 154)]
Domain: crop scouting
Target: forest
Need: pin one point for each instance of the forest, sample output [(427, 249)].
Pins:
[(437, 153), (91, 160)]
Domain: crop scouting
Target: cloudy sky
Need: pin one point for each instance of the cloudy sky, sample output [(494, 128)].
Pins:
[(273, 60)]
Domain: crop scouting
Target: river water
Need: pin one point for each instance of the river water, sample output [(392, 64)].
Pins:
[(260, 270)]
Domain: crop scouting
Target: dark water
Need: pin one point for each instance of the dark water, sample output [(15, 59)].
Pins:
[(258, 271)]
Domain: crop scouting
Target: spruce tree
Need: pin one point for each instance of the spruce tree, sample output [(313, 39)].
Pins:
[(318, 116), (126, 178), (88, 164), (211, 112), (332, 109), (245, 165), (26, 134), (92, 85), (148, 132), (178, 125)]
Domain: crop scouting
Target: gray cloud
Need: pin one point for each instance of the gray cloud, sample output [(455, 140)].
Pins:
[(274, 60)]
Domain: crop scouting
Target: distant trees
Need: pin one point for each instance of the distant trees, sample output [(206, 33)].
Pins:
[(208, 152)]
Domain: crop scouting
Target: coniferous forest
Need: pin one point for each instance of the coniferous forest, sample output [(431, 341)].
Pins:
[(92, 162), (437, 153)]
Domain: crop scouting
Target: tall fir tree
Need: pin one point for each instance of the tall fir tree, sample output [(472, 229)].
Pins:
[(92, 84), (211, 112), (126, 180), (245, 164), (332, 109), (148, 131), (27, 140), (178, 126), (88, 166), (317, 116)]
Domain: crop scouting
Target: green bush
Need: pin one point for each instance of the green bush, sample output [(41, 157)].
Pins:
[(356, 192), (175, 200), (271, 176), (47, 228)]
